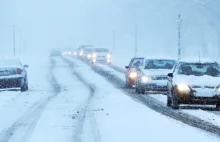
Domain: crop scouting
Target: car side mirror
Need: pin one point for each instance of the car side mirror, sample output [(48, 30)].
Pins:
[(170, 75), (127, 67), (26, 66)]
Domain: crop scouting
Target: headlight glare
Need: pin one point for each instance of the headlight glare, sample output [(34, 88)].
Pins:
[(144, 79), (89, 56), (133, 75), (94, 55), (108, 56), (183, 88)]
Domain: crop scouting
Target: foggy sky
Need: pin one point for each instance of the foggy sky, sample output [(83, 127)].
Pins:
[(45, 24)]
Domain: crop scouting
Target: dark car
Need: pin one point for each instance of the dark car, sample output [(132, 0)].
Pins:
[(13, 74), (194, 83), (131, 71)]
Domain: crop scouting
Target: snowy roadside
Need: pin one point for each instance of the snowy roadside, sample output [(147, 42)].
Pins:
[(14, 105), (123, 119)]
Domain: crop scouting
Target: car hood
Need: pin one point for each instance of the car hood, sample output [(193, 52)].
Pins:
[(101, 53), (199, 81), (156, 72)]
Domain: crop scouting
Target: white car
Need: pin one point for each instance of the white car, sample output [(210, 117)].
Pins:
[(13, 74), (153, 75), (101, 55), (194, 82)]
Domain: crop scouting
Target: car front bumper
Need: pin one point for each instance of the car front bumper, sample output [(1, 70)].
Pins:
[(194, 98), (157, 85)]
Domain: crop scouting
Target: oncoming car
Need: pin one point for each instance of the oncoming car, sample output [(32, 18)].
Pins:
[(101, 55), (153, 75), (194, 83), (13, 74), (131, 72)]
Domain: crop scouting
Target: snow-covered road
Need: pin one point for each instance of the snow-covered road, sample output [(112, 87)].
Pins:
[(69, 100)]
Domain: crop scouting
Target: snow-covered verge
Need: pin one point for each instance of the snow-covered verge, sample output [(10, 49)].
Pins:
[(119, 118)]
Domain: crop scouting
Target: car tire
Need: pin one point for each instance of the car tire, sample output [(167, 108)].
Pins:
[(169, 101), (139, 91), (174, 102), (218, 105), (127, 85), (24, 87)]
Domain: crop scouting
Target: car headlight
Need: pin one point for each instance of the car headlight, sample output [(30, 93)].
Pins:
[(183, 88), (94, 55), (133, 75), (108, 56), (81, 53), (144, 79), (89, 56), (108, 61)]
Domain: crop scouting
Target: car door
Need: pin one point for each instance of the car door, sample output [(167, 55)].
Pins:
[(170, 80)]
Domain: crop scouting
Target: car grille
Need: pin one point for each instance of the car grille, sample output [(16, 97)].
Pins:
[(207, 87), (160, 78)]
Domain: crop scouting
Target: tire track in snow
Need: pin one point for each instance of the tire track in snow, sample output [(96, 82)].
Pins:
[(25, 125), (86, 111), (155, 104)]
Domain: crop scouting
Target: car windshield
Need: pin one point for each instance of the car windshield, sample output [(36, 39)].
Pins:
[(200, 69), (9, 62), (101, 50), (88, 50), (136, 63), (159, 64)]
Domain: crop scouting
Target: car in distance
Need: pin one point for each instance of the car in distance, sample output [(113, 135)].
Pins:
[(194, 82), (101, 55), (153, 75), (131, 72), (13, 74)]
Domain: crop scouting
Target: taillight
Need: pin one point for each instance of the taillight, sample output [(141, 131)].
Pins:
[(19, 71)]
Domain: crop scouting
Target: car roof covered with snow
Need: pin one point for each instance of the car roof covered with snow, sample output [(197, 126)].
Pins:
[(9, 61), (196, 60), (159, 58)]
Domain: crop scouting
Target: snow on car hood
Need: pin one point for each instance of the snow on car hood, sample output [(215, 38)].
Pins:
[(156, 72), (197, 80), (101, 53)]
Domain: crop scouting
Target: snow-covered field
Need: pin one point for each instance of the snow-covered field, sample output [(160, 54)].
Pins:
[(70, 102)]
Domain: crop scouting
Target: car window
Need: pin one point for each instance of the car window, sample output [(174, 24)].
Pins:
[(159, 64), (101, 50), (136, 63), (198, 69)]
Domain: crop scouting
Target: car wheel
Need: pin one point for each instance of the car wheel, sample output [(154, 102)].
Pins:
[(140, 91), (169, 101), (174, 102), (24, 87), (127, 85)]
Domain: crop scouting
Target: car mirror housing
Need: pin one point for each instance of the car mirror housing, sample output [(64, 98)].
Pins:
[(26, 66), (127, 67), (170, 75)]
